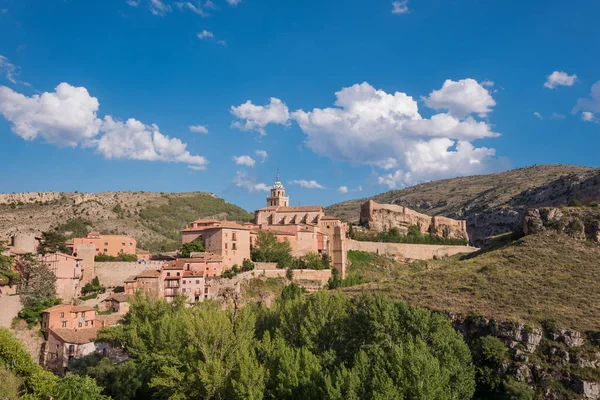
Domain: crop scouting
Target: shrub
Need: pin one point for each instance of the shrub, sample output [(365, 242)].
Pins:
[(32, 314), (575, 203)]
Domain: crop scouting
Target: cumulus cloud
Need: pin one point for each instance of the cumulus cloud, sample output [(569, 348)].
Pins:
[(591, 103), (343, 189), (399, 7), (64, 117), (199, 129), (205, 35), (556, 115), (307, 184), (248, 183), (371, 127), (135, 140), (256, 118), (588, 116), (538, 115), (68, 117), (461, 98), (244, 160), (189, 6), (560, 79), (157, 7), (262, 155)]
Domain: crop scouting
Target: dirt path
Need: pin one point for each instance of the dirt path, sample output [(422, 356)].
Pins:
[(9, 308)]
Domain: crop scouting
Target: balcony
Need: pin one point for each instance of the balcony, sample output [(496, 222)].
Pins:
[(170, 292), (171, 283)]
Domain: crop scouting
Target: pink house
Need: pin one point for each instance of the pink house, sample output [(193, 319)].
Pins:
[(68, 271)]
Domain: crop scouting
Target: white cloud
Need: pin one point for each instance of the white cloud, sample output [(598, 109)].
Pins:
[(244, 160), (588, 116), (68, 117), (400, 7), (538, 115), (157, 7), (487, 83), (137, 141), (262, 155), (222, 43), (343, 189), (257, 117), (205, 35), (64, 117), (248, 183), (396, 179), (461, 98), (10, 71), (233, 3), (560, 79), (372, 127), (556, 115), (133, 3), (199, 129), (307, 184), (591, 103), (189, 6)]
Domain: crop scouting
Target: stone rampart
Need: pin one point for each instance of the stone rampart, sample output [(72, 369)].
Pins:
[(404, 251), (309, 278), (114, 273)]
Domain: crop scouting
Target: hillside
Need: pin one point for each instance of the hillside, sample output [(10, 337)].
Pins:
[(546, 276), (154, 219), (492, 204)]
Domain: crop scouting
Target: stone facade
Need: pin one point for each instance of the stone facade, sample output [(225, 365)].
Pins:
[(381, 217), (404, 251)]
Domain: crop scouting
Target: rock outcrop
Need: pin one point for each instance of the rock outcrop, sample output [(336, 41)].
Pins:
[(382, 217), (576, 222)]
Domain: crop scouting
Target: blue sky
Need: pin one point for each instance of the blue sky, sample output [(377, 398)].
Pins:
[(362, 95)]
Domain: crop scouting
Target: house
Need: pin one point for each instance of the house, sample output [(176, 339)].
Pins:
[(110, 245), (68, 271), (118, 303), (67, 316)]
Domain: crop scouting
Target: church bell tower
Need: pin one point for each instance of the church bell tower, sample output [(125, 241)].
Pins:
[(277, 198)]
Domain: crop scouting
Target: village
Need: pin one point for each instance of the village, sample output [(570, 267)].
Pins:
[(213, 252)]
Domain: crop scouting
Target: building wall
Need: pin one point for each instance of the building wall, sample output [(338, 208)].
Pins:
[(110, 245), (67, 270), (409, 251), (58, 353), (232, 244), (86, 253), (113, 274), (193, 288), (54, 319)]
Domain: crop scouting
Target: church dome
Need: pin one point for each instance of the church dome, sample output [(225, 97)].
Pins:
[(277, 184)]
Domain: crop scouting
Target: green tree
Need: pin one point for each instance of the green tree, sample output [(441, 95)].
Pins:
[(268, 249), (37, 284), (192, 247), (75, 387), (11, 384), (8, 276), (52, 242)]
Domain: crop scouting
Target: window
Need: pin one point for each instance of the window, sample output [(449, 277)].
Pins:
[(123, 244), (168, 274), (206, 290), (64, 324), (234, 246), (225, 246), (86, 323), (106, 243), (105, 250), (130, 243), (234, 236), (178, 274), (80, 324), (184, 281), (197, 281), (62, 314), (83, 314)]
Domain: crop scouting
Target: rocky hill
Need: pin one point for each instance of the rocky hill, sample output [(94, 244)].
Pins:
[(492, 204), (154, 219)]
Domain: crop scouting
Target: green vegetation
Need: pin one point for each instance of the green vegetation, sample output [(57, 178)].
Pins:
[(168, 219), (236, 270), (8, 276), (258, 289), (37, 283), (74, 228), (413, 236), (192, 247), (323, 346), (268, 249), (52, 242), (546, 276), (120, 257), (32, 314), (93, 287), (22, 375)]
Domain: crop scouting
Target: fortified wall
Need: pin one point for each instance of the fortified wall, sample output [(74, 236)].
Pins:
[(114, 273), (404, 251), (382, 217)]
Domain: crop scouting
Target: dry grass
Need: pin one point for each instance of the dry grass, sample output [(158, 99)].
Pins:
[(536, 278)]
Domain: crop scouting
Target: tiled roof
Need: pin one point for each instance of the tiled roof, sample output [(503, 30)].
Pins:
[(329, 217), (119, 297), (109, 320), (150, 273), (80, 336), (81, 309), (193, 274), (274, 231), (219, 225), (292, 208), (130, 279), (57, 307), (61, 254)]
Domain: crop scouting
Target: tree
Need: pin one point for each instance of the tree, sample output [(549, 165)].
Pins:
[(8, 276), (191, 247), (52, 242), (37, 283), (11, 384), (75, 387), (268, 249)]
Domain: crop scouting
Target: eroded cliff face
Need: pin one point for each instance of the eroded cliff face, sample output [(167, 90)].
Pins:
[(576, 222), (382, 217)]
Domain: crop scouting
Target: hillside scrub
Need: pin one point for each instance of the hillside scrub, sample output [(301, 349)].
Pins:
[(322, 346)]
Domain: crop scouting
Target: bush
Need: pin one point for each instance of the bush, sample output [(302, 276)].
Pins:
[(33, 314), (188, 248), (575, 203), (93, 287), (121, 257)]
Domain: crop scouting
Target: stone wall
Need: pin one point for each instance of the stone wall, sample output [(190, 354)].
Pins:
[(404, 251), (115, 273), (309, 278), (382, 217)]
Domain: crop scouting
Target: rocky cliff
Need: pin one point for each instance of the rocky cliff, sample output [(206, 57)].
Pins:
[(491, 204), (576, 222)]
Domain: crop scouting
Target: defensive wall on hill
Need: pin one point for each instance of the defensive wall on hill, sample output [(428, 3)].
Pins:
[(114, 273), (309, 278), (405, 251)]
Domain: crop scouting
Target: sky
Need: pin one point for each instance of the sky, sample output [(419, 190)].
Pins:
[(346, 98)]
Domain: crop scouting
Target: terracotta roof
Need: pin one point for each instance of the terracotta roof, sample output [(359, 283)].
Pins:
[(193, 274), (119, 298), (109, 320), (80, 336), (292, 208), (150, 273), (81, 309), (274, 231), (56, 307), (329, 217), (219, 225), (130, 279)]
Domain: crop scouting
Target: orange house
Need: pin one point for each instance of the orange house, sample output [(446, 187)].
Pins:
[(110, 245)]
